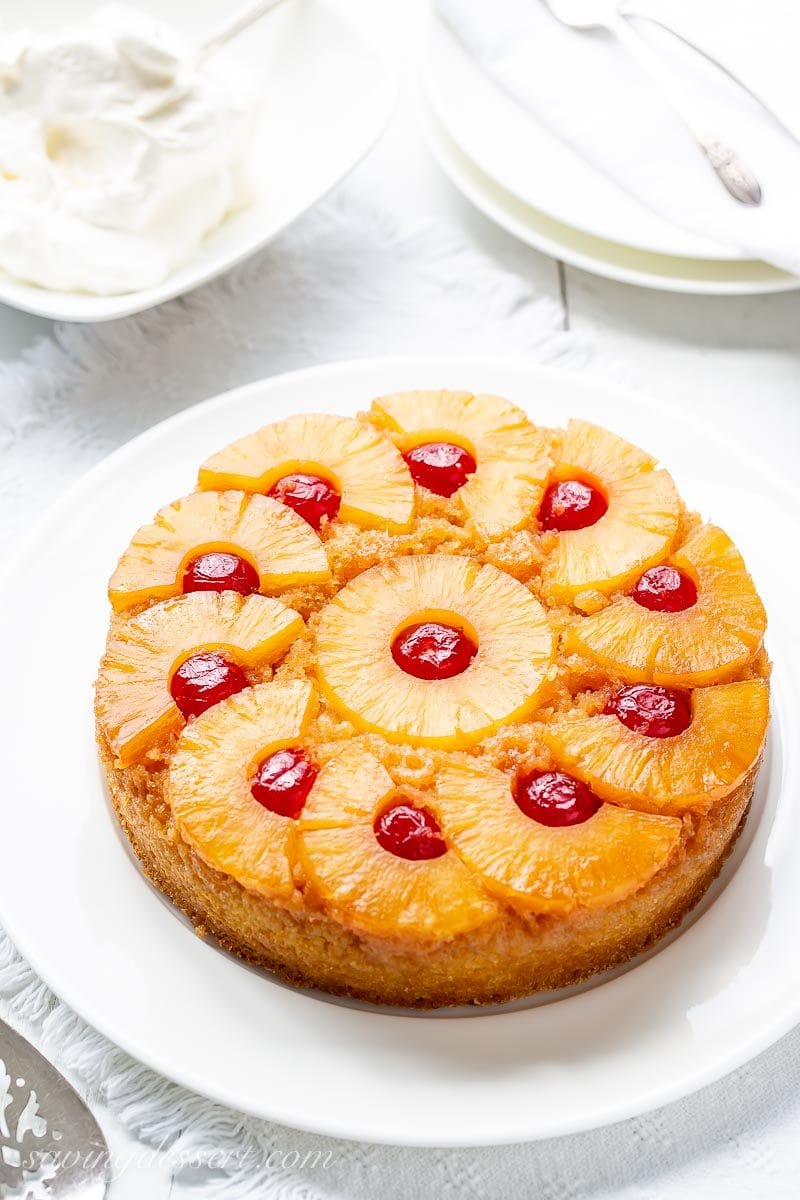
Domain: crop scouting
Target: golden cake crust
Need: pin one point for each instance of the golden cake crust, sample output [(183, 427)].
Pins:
[(518, 950), (510, 957)]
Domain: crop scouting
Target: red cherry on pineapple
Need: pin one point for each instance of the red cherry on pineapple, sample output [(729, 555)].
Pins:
[(571, 504), (430, 650), (555, 798), (311, 497), (409, 832), (652, 710), (219, 571), (283, 781), (203, 680), (665, 589), (441, 467)]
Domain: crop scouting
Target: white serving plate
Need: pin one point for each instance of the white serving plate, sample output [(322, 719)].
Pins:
[(74, 902), (612, 260), (326, 97)]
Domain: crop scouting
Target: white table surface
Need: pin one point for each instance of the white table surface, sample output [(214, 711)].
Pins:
[(733, 361)]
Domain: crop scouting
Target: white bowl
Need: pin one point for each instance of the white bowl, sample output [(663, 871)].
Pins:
[(327, 96)]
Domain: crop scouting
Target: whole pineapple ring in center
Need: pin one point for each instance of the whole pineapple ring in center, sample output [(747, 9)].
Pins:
[(502, 683)]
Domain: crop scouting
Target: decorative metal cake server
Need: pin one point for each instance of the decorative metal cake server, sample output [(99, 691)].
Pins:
[(51, 1147)]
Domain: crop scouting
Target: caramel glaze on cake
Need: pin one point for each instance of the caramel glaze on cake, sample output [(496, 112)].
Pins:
[(625, 655)]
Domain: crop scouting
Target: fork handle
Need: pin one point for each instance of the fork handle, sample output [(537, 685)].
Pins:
[(240, 21), (730, 168)]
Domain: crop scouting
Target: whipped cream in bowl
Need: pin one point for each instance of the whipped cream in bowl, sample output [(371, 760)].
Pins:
[(121, 149)]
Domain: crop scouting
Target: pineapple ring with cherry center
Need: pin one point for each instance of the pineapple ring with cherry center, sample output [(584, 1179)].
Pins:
[(637, 529), (512, 456), (362, 681), (539, 868), (135, 707), (705, 643), (211, 781), (370, 889), (361, 465), (279, 544), (686, 772)]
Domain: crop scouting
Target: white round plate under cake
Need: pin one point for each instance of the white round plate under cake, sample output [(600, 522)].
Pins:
[(719, 991), (523, 177)]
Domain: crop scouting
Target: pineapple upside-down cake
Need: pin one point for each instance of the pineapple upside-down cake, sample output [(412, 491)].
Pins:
[(432, 706)]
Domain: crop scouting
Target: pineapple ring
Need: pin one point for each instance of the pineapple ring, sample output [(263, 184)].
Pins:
[(690, 771), (210, 781), (512, 454), (542, 869), (502, 683), (134, 705), (369, 889), (637, 530), (282, 547), (705, 644), (366, 469)]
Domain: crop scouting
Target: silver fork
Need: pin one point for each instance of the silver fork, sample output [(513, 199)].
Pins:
[(729, 166), (51, 1147)]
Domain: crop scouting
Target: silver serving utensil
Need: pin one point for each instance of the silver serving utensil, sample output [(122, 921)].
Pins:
[(51, 1147), (240, 21), (729, 167)]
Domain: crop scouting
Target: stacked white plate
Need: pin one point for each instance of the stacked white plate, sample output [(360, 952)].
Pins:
[(527, 180)]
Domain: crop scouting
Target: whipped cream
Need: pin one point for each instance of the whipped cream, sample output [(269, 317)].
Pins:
[(119, 151)]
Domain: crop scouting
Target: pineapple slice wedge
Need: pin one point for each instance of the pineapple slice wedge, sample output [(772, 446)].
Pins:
[(365, 468), (542, 869), (371, 890), (705, 644), (361, 680), (282, 547), (513, 456), (691, 771), (210, 779), (133, 702), (637, 530)]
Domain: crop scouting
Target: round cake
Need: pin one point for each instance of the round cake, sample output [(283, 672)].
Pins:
[(432, 706)]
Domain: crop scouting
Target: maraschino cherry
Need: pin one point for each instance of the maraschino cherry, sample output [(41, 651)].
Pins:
[(312, 497), (555, 798), (283, 781), (430, 650), (220, 571), (665, 589), (652, 710), (571, 504), (409, 832), (203, 680), (441, 467)]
